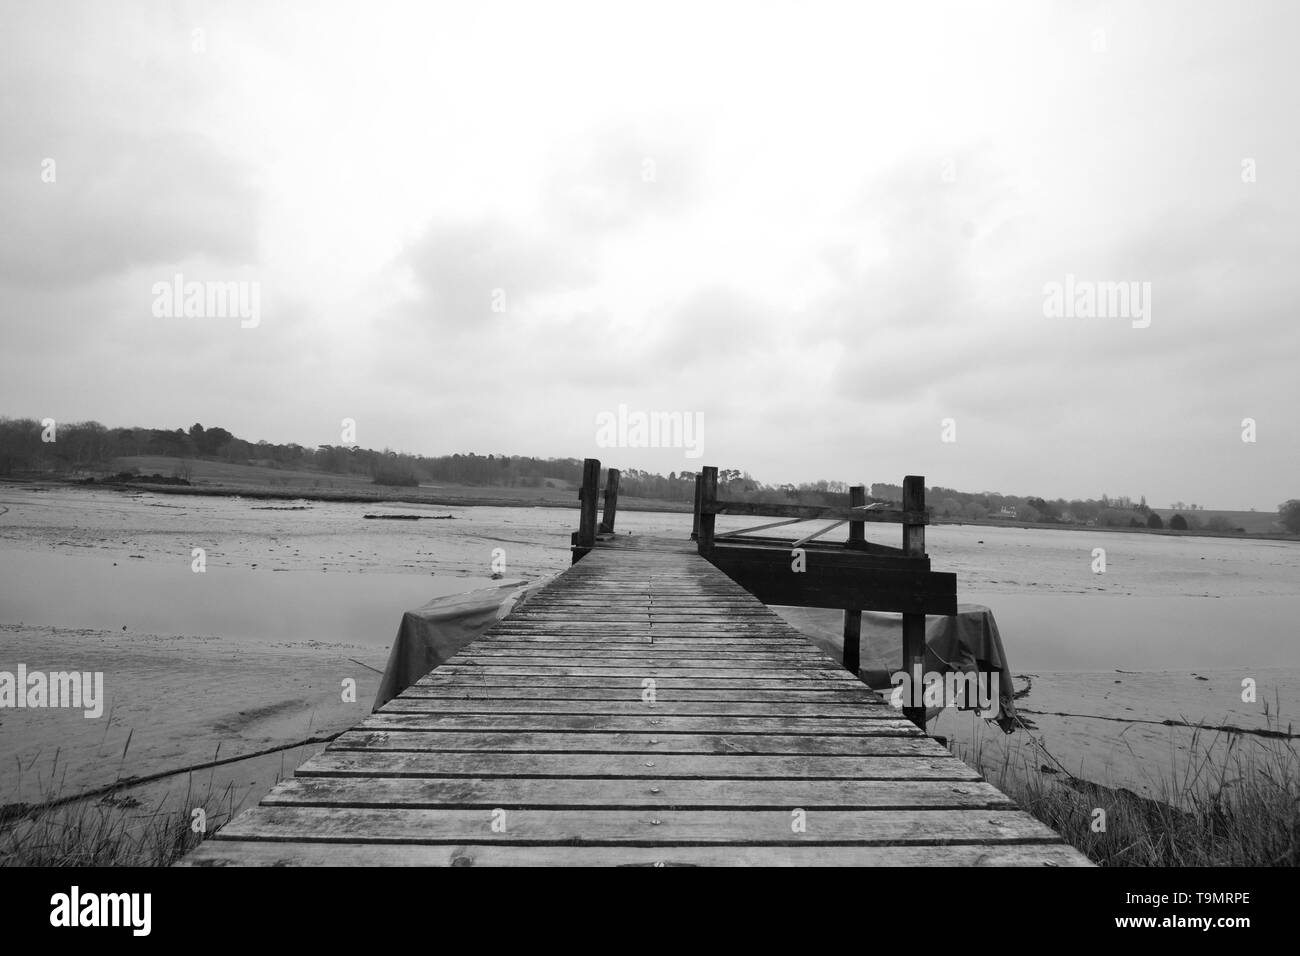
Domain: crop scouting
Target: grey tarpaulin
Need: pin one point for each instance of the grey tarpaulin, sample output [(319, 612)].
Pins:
[(966, 641), (430, 634)]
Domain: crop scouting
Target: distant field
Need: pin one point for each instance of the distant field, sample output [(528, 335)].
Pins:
[(1263, 523), (1254, 522), (212, 476), (223, 472), (230, 475)]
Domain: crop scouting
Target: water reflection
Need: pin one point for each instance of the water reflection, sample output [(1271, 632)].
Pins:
[(61, 590)]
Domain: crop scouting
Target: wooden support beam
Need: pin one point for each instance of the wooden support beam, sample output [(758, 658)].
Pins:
[(846, 580), (853, 618), (914, 622), (708, 502), (695, 523), (611, 502), (857, 499), (913, 505), (852, 641), (585, 539), (762, 527), (812, 512), (777, 553), (865, 548), (817, 534)]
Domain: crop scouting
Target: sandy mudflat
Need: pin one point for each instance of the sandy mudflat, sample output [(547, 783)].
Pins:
[(1107, 726), (277, 535), (247, 656), (177, 699)]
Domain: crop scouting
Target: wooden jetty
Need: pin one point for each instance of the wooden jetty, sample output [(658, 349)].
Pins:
[(646, 709)]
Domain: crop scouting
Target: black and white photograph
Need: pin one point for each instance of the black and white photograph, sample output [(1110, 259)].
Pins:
[(599, 435)]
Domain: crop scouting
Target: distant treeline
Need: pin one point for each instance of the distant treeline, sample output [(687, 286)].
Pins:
[(27, 447), (1106, 512), (89, 447)]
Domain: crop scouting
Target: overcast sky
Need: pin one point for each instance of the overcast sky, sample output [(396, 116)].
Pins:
[(825, 229)]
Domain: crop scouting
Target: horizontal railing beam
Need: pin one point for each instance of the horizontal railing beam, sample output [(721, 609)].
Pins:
[(813, 512), (785, 544), (847, 588), (819, 557)]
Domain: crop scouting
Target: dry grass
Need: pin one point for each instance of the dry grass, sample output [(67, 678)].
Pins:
[(1235, 802), (110, 829)]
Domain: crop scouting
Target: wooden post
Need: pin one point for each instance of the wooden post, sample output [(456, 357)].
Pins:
[(857, 529), (708, 497), (853, 619), (914, 623), (695, 523), (611, 502), (585, 539)]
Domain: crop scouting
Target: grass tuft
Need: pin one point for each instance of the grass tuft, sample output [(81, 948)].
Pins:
[(1235, 801)]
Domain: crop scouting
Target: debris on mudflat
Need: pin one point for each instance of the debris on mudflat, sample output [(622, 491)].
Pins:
[(411, 517)]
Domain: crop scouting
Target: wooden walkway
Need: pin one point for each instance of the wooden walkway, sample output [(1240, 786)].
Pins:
[(640, 710)]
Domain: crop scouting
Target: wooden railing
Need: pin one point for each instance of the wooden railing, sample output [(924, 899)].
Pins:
[(854, 575)]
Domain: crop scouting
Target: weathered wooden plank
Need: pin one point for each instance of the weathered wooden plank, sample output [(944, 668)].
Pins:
[(487, 655), (497, 647), (634, 743), (614, 627), (751, 682), (612, 827), (591, 654), (610, 723), (526, 631), (729, 644), (623, 659), (535, 612), (788, 674), (229, 852), (593, 689), (335, 763), (550, 685), (665, 705), (649, 643), (572, 600), (648, 611), (599, 641), (544, 792), (690, 609), (657, 634)]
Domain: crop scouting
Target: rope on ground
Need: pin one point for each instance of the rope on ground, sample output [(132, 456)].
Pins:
[(12, 810), (1043, 747), (1223, 728)]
